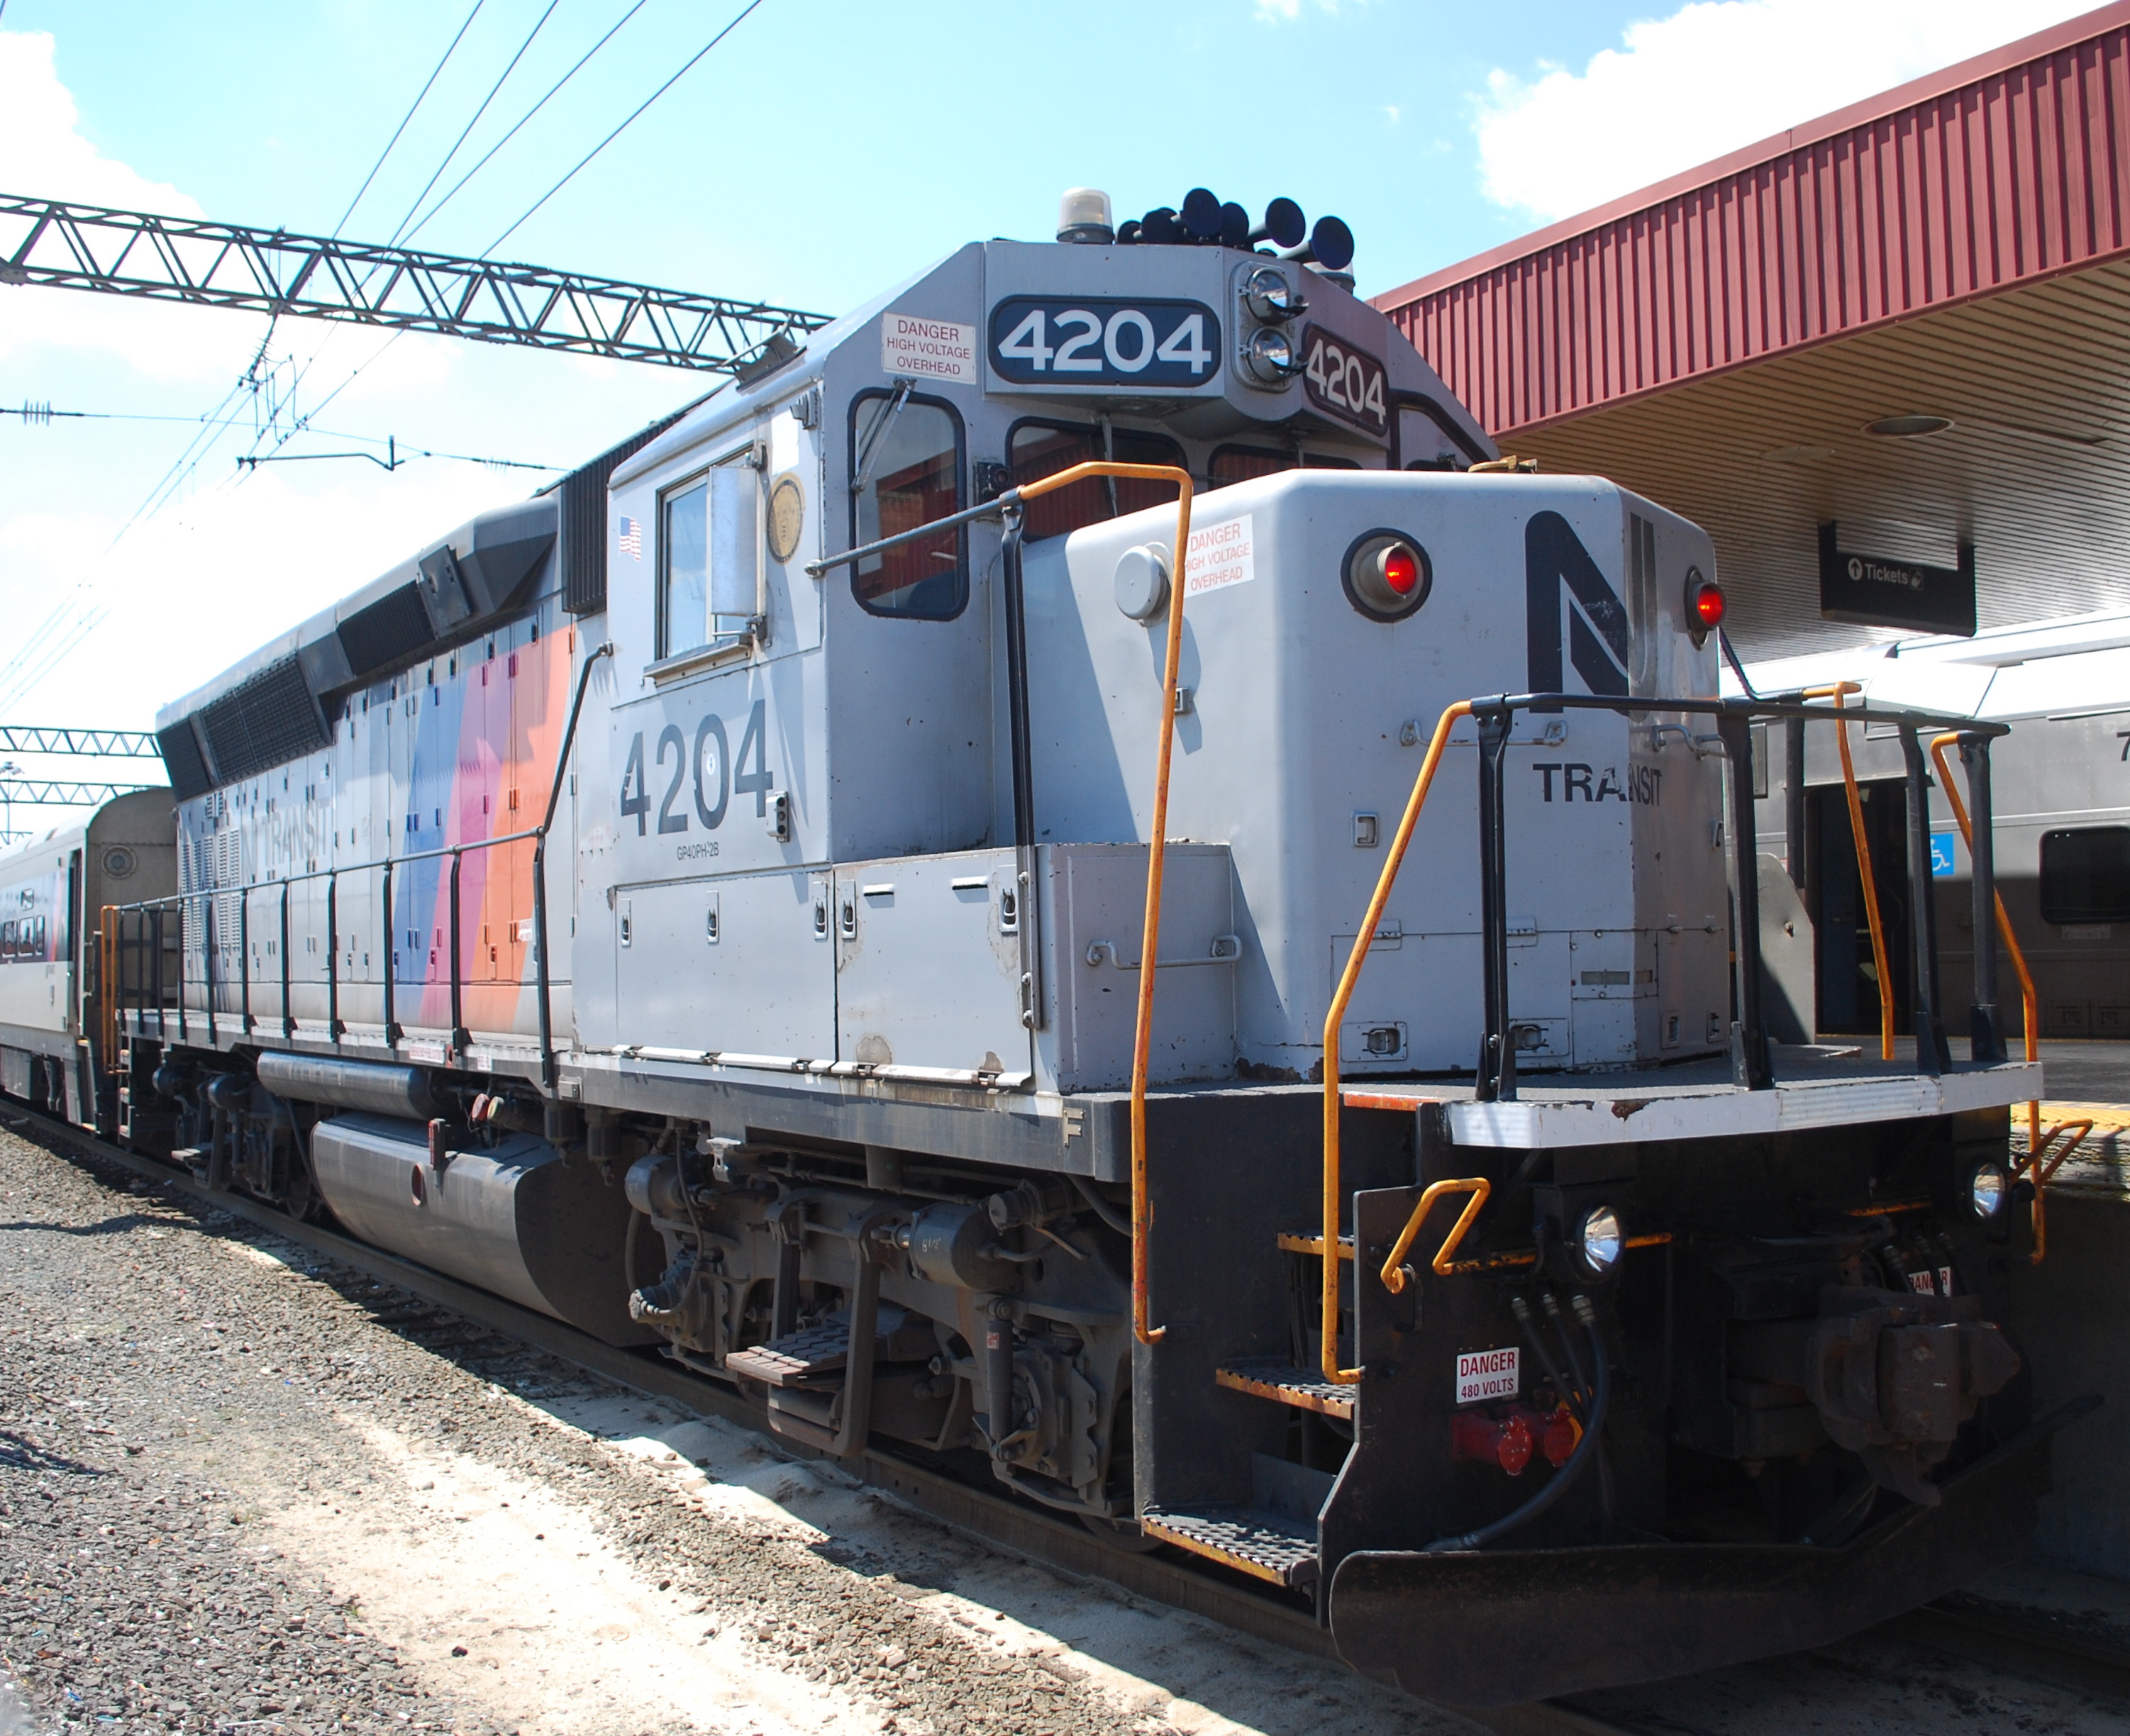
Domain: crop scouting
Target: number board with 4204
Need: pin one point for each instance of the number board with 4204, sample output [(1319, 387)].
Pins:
[(1345, 382), (1044, 340)]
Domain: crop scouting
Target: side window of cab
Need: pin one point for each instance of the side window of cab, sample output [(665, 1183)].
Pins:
[(906, 470)]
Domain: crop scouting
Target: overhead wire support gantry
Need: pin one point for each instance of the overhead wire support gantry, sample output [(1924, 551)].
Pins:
[(69, 245), (101, 744), (36, 793)]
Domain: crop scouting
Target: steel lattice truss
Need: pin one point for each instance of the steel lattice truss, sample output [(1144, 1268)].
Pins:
[(108, 744), (31, 793), (269, 271)]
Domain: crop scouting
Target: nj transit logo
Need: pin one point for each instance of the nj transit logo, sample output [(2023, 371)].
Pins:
[(1596, 629)]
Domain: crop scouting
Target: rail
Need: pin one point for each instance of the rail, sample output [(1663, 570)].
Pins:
[(1750, 1063), (150, 914)]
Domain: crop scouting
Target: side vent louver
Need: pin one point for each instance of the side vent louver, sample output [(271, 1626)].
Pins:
[(189, 776), (584, 528), (270, 719), (393, 627)]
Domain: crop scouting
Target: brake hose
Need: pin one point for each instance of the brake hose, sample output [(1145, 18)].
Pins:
[(1585, 1449)]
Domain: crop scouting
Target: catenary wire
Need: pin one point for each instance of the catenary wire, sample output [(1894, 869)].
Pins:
[(494, 89), (521, 121), (409, 116), (618, 132)]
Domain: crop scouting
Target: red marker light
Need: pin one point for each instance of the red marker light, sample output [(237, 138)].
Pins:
[(1402, 569), (1708, 604)]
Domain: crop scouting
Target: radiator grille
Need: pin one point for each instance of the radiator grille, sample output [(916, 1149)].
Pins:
[(268, 721), (189, 776), (387, 631)]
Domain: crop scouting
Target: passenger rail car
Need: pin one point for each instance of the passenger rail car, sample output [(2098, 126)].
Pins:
[(56, 1030), (1076, 874), (2062, 832)]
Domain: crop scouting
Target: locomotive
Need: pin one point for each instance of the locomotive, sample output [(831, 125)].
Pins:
[(1074, 876)]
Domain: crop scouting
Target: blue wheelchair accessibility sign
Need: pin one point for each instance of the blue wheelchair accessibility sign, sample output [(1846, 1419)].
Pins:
[(1941, 856)]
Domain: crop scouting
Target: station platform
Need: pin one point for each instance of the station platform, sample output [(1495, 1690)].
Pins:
[(2070, 1313)]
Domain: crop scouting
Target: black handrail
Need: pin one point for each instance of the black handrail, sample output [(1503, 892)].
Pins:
[(1750, 1062), (1985, 1032)]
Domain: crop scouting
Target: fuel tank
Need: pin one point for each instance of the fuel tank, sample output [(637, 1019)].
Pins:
[(512, 1218)]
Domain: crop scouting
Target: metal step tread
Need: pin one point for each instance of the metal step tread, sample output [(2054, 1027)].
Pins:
[(1310, 1241), (1277, 1379), (819, 1354), (818, 1350), (1267, 1546)]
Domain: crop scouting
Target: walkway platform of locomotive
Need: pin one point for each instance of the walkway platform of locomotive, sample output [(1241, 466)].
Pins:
[(1816, 1086)]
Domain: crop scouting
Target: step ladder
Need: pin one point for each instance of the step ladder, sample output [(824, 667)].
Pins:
[(1273, 1538)]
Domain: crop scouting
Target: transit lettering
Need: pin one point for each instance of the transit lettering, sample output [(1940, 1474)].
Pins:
[(1641, 786)]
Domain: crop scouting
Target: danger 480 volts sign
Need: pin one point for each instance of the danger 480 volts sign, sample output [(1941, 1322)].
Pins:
[(1487, 1374)]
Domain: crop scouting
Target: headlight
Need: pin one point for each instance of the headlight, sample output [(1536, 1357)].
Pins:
[(1988, 1189), (1269, 297), (1269, 356), (1599, 1239)]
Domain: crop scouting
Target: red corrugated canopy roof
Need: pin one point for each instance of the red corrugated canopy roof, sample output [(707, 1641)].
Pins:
[(1999, 172)]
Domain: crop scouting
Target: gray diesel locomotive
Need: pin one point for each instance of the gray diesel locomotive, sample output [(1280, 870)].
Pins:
[(1075, 877)]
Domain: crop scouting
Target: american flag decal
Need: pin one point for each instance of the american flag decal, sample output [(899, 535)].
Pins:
[(632, 538)]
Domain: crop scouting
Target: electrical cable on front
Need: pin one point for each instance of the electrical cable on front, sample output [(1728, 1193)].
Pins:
[(618, 132)]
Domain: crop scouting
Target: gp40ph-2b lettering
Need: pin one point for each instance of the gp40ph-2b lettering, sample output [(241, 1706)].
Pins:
[(1044, 342), (707, 764), (1642, 787)]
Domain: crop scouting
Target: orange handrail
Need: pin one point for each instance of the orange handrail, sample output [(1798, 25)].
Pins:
[(1142, 1215), (1863, 864), (1328, 1349), (1478, 1186), (2074, 1131), (2029, 1003)]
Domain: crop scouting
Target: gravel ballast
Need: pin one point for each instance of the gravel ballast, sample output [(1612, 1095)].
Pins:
[(245, 1489)]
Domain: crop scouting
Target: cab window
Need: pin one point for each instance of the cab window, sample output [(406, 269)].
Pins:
[(1241, 464), (906, 470), (1036, 449), (2085, 875), (684, 562), (708, 566)]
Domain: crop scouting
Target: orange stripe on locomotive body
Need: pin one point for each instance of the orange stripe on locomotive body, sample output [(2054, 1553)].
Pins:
[(523, 729)]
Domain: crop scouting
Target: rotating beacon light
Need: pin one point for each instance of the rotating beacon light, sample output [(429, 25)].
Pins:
[(1083, 217)]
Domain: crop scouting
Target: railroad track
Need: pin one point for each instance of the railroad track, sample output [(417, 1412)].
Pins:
[(460, 1320)]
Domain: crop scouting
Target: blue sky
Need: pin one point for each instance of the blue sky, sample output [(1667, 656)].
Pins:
[(825, 149)]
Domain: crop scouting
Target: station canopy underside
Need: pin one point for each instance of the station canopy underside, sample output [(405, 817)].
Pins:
[(2035, 469)]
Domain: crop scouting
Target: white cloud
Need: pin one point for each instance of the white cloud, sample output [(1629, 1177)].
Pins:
[(1711, 77), (41, 147), (43, 153)]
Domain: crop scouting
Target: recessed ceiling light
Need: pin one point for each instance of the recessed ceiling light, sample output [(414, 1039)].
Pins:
[(1904, 427)]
